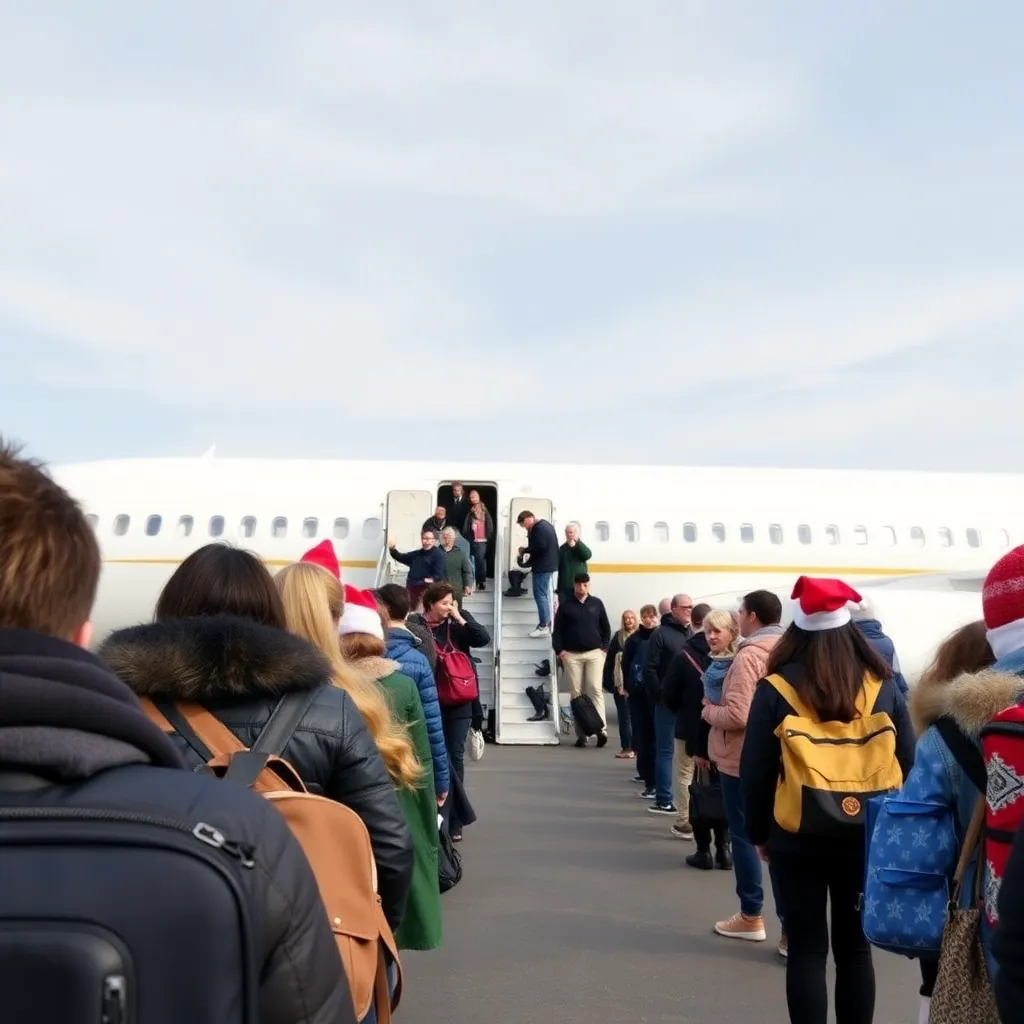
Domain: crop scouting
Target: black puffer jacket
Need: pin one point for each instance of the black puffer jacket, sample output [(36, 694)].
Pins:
[(238, 669), (64, 717)]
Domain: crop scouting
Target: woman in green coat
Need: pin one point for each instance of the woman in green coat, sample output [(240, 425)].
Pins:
[(421, 926)]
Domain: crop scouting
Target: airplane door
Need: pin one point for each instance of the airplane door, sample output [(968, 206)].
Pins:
[(542, 508), (406, 513)]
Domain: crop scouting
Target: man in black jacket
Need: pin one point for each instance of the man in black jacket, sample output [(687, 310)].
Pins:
[(73, 736), (581, 637), (542, 551), (667, 642)]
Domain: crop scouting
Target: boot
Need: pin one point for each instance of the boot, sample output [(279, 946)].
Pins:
[(723, 848), (702, 860)]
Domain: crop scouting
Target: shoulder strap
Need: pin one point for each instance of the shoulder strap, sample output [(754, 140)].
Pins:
[(868, 695), (788, 693), (283, 722), (206, 734), (693, 661), (967, 851), (964, 751)]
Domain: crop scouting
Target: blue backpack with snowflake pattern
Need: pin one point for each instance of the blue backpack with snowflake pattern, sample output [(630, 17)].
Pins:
[(913, 844)]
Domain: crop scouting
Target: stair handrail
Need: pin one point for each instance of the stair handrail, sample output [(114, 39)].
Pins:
[(381, 575)]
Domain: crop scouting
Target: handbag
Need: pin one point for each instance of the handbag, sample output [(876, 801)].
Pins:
[(963, 991), (449, 860), (706, 803), (476, 744)]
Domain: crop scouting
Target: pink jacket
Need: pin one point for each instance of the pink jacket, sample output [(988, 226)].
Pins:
[(728, 720)]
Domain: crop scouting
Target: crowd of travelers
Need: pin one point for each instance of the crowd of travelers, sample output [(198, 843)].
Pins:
[(183, 894), (885, 815)]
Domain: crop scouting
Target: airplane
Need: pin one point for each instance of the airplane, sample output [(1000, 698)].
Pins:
[(919, 544)]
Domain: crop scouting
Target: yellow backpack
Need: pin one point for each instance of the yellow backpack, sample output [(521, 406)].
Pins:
[(831, 769)]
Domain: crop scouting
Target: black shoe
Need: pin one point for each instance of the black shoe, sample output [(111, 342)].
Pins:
[(602, 739), (481, 587), (638, 778), (702, 860), (541, 716), (581, 743), (723, 858)]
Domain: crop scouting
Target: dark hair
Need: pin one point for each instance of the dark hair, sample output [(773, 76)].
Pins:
[(49, 557), (581, 577), (436, 592), (222, 580), (765, 605), (834, 663), (524, 515), (648, 609), (395, 599), (698, 614)]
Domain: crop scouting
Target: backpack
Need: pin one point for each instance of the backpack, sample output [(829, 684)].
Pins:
[(1002, 747), (91, 900), (830, 769), (456, 677), (914, 838), (333, 837), (635, 682)]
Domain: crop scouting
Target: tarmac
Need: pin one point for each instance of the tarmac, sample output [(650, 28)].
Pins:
[(575, 906)]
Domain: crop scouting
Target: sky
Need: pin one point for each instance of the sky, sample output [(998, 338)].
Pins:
[(721, 233)]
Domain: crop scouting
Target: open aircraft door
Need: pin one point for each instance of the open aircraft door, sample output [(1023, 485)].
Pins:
[(405, 515), (542, 508)]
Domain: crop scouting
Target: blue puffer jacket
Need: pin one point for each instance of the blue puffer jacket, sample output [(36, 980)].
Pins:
[(873, 633), (404, 648)]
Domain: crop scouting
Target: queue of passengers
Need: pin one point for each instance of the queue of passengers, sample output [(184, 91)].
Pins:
[(733, 722), (333, 686)]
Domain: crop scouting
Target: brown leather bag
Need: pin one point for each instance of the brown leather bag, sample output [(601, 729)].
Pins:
[(336, 844)]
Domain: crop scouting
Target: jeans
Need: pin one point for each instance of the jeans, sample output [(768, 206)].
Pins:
[(664, 751), (456, 732), (807, 884), (625, 725), (745, 859), (480, 561), (542, 595), (641, 716), (583, 670)]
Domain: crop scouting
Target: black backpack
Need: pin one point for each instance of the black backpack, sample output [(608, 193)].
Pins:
[(117, 916)]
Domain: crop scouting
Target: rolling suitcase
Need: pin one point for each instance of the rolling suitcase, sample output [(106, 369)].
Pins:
[(585, 714)]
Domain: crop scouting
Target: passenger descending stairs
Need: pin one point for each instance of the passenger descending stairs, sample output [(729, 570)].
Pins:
[(518, 659), (481, 607)]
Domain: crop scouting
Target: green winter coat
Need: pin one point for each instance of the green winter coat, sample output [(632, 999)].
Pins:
[(571, 561), (421, 926), (458, 572)]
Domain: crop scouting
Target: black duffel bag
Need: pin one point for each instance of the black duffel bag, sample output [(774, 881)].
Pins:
[(449, 861), (706, 803)]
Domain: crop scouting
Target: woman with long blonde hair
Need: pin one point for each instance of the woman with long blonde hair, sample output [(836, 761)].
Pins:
[(614, 683), (347, 625)]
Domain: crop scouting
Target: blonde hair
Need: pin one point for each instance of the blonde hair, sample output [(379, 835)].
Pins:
[(313, 602), (722, 618)]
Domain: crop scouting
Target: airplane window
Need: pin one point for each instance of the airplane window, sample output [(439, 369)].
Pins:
[(718, 532), (632, 532), (661, 533), (747, 533), (248, 526), (1003, 538), (185, 524), (832, 535), (860, 535), (310, 527), (216, 526), (775, 533), (945, 537), (92, 520), (690, 533), (602, 532), (340, 528), (973, 537), (153, 525), (889, 536), (917, 537), (803, 533), (279, 527), (121, 524), (371, 529)]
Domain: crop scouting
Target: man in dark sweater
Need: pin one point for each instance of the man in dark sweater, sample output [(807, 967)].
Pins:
[(581, 636), (542, 551), (426, 565)]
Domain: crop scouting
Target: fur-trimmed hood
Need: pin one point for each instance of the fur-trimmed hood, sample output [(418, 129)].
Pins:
[(377, 668), (970, 699), (212, 657)]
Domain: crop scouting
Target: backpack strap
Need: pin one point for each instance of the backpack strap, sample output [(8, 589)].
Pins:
[(788, 693), (964, 752), (283, 722), (206, 734), (868, 695)]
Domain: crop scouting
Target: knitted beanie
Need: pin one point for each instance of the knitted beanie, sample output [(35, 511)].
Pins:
[(1002, 602)]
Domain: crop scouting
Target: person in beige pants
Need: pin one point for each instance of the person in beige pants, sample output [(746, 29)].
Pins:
[(580, 639)]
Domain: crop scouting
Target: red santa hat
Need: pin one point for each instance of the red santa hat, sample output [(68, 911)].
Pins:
[(822, 604), (324, 556), (1002, 602), (360, 614)]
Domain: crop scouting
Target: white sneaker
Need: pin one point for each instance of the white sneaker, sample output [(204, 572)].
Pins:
[(539, 632)]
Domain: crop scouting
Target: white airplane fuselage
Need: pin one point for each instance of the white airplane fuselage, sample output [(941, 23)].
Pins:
[(653, 531)]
